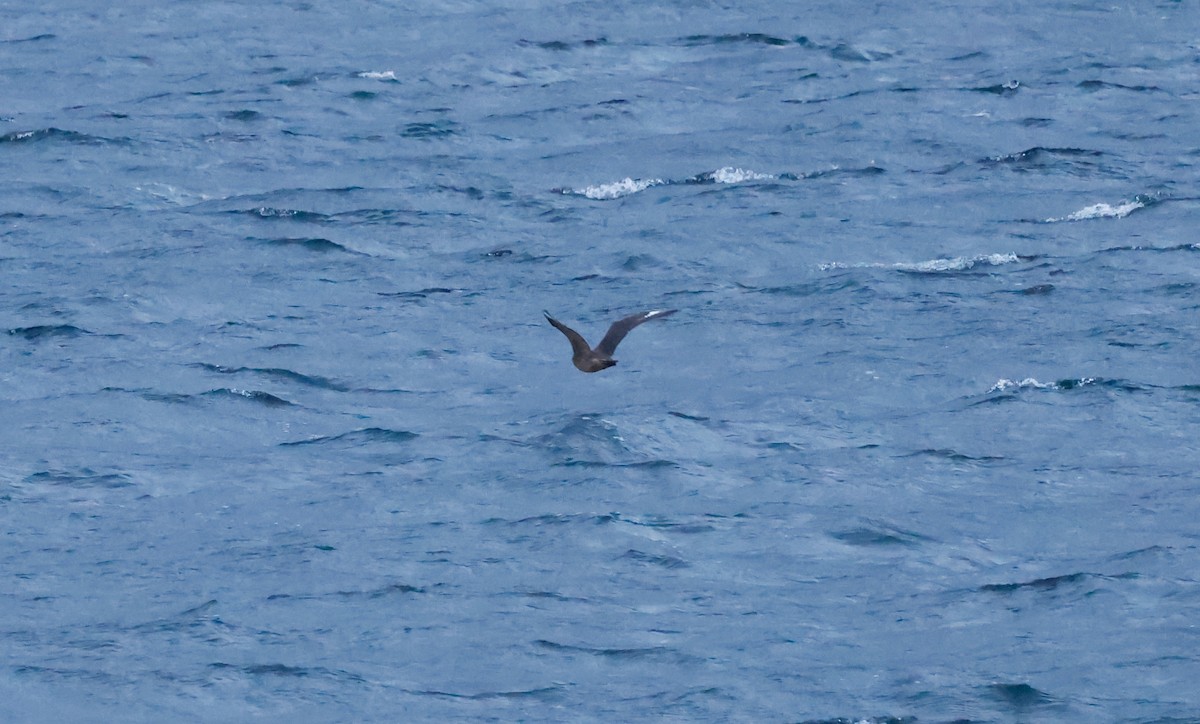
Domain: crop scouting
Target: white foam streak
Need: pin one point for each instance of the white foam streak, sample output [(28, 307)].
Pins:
[(958, 263), (1102, 211), (629, 186), (961, 263), (378, 75), (730, 175), (615, 190), (1006, 385)]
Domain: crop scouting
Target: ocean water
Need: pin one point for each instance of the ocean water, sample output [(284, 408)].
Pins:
[(284, 435)]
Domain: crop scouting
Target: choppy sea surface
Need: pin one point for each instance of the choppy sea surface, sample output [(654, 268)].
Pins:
[(284, 435)]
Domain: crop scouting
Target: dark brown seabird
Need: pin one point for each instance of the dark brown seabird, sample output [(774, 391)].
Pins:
[(587, 359)]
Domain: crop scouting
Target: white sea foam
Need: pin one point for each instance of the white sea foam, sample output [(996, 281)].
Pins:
[(629, 186), (958, 263), (1006, 385), (617, 189), (731, 175), (1102, 211), (379, 74)]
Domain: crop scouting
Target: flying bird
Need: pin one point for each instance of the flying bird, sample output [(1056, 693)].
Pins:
[(588, 359)]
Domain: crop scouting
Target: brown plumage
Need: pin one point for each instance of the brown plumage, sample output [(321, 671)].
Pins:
[(589, 359)]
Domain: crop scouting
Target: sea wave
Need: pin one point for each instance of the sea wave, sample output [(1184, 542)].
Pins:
[(1007, 385), (1103, 211), (731, 175), (958, 263), (629, 186), (615, 190)]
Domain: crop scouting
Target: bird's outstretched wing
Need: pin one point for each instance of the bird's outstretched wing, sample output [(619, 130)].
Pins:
[(621, 327), (579, 346)]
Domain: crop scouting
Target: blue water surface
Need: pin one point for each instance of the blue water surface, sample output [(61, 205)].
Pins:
[(284, 435)]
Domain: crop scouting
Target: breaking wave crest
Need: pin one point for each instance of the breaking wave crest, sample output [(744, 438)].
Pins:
[(932, 266), (1007, 385), (615, 190), (1105, 211), (629, 186)]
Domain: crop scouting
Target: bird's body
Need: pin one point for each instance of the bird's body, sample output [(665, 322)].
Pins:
[(589, 359)]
